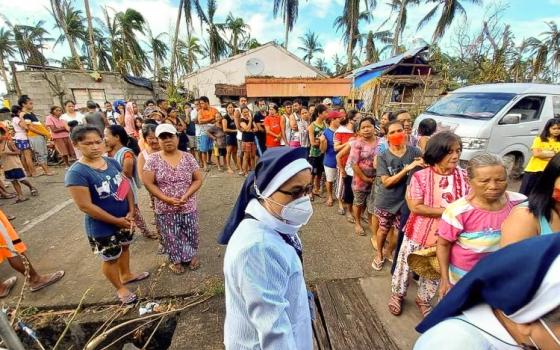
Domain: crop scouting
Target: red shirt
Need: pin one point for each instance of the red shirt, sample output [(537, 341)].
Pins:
[(274, 124), (343, 137)]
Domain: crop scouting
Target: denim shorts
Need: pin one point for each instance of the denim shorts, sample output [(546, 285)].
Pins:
[(205, 143)]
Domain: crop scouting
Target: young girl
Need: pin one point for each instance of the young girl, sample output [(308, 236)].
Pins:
[(426, 129), (216, 133), (315, 131), (13, 169), (544, 147), (99, 189)]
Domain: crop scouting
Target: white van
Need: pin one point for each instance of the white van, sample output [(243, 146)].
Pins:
[(502, 119)]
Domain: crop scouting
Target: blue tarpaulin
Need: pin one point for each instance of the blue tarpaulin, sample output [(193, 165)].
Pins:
[(366, 73)]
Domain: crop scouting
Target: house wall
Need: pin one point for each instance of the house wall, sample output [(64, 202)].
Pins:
[(112, 87), (277, 64)]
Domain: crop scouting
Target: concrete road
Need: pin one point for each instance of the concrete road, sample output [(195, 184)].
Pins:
[(52, 228)]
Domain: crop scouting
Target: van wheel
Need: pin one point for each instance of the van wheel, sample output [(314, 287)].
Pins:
[(514, 165)]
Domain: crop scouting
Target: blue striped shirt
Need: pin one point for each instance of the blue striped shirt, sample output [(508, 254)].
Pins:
[(266, 296)]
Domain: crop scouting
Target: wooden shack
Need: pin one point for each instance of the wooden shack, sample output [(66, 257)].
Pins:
[(406, 81)]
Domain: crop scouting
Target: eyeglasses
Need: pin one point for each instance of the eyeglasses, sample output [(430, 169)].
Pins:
[(298, 191)]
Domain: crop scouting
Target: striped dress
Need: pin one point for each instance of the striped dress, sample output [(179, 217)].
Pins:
[(474, 232)]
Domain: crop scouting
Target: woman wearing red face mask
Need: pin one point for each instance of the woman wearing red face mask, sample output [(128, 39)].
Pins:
[(393, 168), (541, 214)]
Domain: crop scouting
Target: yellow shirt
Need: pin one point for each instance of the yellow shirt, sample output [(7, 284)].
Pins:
[(538, 164)]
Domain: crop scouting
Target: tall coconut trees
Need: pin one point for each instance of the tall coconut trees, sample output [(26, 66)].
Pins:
[(217, 46), (239, 32), (7, 49), (449, 9), (289, 11), (158, 49), (70, 22), (310, 45), (352, 14)]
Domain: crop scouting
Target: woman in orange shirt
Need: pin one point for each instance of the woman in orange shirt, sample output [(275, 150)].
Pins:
[(273, 127)]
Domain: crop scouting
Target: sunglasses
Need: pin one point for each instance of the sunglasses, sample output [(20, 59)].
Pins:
[(298, 191)]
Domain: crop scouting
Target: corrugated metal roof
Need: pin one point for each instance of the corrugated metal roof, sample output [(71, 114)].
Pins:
[(304, 87), (382, 65)]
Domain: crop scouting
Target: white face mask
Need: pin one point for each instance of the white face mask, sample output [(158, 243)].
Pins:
[(297, 212)]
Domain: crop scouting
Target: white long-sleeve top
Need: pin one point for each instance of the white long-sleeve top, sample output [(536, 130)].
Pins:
[(266, 297)]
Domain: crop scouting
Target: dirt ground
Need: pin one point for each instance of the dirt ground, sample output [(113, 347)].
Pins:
[(52, 228)]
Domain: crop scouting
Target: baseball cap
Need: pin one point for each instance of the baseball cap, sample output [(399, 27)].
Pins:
[(165, 128), (327, 101), (334, 115)]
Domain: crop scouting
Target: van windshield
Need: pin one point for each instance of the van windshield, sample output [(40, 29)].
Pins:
[(471, 105)]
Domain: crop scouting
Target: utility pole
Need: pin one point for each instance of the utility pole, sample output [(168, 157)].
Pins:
[(91, 45)]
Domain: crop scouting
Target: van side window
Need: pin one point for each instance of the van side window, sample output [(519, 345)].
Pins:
[(529, 107), (556, 106)]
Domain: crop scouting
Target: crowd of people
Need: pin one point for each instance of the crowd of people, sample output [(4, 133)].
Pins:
[(434, 218), (405, 186)]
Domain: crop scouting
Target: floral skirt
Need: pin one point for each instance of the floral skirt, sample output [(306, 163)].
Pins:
[(179, 235)]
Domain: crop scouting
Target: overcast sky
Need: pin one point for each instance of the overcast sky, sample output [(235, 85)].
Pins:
[(526, 18)]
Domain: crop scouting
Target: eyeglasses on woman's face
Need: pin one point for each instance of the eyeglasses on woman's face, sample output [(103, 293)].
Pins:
[(298, 191)]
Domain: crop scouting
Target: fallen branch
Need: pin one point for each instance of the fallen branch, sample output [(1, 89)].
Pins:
[(97, 340), (71, 320)]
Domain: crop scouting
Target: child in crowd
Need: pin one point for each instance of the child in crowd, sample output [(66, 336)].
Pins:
[(216, 133), (426, 129), (183, 137), (13, 168)]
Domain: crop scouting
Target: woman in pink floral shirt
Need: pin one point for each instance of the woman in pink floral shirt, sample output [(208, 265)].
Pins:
[(362, 159), (173, 178)]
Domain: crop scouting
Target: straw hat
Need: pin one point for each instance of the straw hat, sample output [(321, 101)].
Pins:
[(424, 262)]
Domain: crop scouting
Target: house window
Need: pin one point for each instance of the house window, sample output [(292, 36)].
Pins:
[(81, 96)]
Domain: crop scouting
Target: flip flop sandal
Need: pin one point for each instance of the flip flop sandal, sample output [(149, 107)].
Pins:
[(341, 211), (194, 267), (424, 307), (55, 277), (377, 265), (176, 269), (34, 192), (128, 299), (350, 219), (21, 200), (361, 232), (8, 196), (11, 217), (395, 304), (8, 285), (141, 276)]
